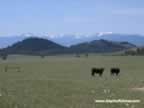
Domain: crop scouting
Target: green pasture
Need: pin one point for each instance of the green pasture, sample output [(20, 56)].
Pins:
[(66, 82)]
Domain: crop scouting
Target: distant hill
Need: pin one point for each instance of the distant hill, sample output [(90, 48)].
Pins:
[(101, 46), (76, 39), (34, 45), (40, 46), (68, 40), (127, 45)]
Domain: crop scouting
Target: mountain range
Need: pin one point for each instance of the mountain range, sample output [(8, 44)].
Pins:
[(75, 39), (68, 40), (41, 46)]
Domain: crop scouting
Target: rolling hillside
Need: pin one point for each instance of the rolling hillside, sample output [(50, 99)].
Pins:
[(38, 46), (102, 46), (68, 40), (34, 45)]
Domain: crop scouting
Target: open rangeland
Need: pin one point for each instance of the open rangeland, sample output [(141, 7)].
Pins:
[(66, 82)]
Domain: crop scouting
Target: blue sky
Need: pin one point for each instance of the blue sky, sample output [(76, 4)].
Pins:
[(42, 17)]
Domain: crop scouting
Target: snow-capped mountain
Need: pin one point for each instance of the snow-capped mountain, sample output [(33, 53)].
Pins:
[(68, 40), (74, 39)]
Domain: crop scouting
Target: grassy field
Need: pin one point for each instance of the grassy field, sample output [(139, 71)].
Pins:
[(66, 82)]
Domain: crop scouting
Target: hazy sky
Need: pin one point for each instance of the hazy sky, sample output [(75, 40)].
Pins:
[(71, 16)]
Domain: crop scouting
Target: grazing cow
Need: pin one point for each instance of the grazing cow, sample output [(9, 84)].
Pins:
[(115, 71), (98, 71)]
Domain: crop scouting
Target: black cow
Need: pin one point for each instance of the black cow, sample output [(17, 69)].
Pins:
[(115, 71), (98, 71)]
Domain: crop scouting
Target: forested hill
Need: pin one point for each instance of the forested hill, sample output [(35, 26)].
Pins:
[(34, 46)]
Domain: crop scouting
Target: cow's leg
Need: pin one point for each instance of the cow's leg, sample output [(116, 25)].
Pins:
[(117, 73), (92, 73), (100, 74)]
